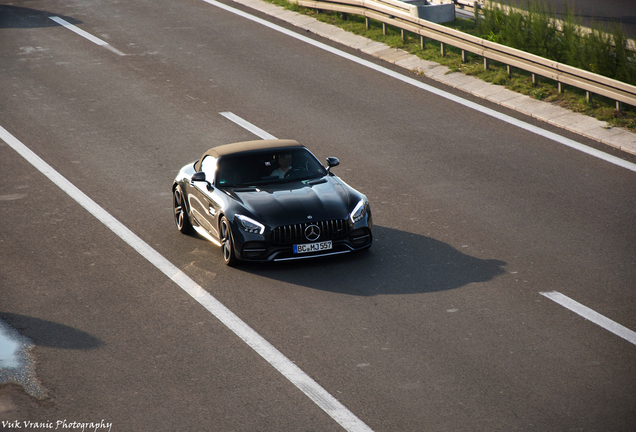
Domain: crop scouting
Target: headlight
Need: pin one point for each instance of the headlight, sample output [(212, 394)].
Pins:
[(359, 211), (250, 225)]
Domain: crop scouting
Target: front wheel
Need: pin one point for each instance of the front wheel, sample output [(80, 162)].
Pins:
[(227, 243), (180, 212)]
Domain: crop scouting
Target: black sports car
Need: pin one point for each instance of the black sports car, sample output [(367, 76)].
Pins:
[(270, 200)]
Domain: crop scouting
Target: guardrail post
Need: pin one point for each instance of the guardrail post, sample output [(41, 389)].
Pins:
[(422, 42), (486, 63), (560, 87), (367, 22), (509, 70), (534, 79), (464, 56), (619, 106), (588, 96), (384, 29), (403, 34), (443, 49)]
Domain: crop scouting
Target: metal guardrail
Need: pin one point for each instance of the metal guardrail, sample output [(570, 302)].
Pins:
[(400, 15)]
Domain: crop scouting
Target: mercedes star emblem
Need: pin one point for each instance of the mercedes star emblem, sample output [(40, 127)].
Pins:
[(312, 232)]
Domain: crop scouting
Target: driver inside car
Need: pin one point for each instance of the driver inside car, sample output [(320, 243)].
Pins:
[(284, 162)]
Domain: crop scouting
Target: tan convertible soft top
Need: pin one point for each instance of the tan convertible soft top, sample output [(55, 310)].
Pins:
[(246, 146)]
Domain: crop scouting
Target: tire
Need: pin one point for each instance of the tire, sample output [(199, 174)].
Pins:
[(227, 243), (180, 212)]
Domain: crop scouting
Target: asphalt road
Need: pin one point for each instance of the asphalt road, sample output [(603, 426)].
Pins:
[(604, 13), (440, 326), (609, 12)]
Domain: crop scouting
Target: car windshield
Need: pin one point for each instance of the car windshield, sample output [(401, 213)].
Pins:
[(269, 166)]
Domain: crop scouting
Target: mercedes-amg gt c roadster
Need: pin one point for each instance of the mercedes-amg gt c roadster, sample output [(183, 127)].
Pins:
[(270, 200)]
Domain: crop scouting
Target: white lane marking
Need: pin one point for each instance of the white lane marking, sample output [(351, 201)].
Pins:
[(85, 34), (490, 112), (591, 315), (274, 357), (247, 125)]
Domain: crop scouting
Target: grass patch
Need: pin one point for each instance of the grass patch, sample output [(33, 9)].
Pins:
[(519, 81)]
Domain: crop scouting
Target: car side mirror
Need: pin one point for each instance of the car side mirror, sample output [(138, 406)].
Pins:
[(199, 176), (332, 162)]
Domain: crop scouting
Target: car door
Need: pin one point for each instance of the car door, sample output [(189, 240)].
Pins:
[(203, 198)]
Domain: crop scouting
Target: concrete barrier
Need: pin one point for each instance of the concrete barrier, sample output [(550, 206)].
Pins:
[(437, 13)]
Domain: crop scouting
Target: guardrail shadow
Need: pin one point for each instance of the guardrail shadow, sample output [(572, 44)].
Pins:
[(21, 17), (399, 262)]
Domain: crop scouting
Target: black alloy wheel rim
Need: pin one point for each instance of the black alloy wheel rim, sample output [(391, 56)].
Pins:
[(179, 212), (226, 239)]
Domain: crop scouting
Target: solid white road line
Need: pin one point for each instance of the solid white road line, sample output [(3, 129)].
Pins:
[(490, 112), (285, 366), (591, 315), (247, 125), (85, 34)]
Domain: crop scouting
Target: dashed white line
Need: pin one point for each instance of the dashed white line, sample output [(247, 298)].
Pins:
[(591, 315), (286, 367), (247, 125), (85, 34)]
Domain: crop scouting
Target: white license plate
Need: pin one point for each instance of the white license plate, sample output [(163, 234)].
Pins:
[(312, 247)]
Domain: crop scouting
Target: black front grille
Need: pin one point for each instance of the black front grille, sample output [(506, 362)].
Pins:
[(293, 234)]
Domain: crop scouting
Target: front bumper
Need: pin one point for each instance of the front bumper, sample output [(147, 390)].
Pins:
[(355, 237)]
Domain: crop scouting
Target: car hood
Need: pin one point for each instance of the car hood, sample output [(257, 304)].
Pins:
[(291, 203)]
